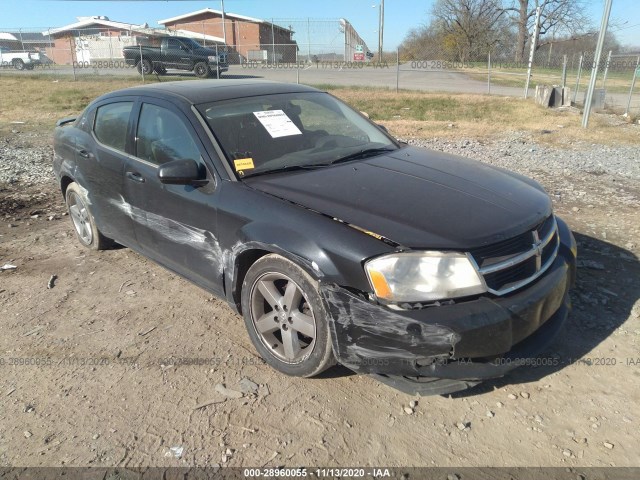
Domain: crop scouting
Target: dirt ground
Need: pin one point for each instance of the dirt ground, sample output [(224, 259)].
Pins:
[(112, 366)]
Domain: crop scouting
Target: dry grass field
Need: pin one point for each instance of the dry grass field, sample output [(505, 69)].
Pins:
[(39, 101)]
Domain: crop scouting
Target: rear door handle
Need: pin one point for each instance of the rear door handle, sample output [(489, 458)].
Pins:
[(135, 176), (84, 153)]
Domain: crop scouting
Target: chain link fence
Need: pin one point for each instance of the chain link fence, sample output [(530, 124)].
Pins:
[(441, 70), (318, 52)]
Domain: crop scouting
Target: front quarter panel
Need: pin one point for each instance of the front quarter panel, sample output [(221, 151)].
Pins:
[(329, 250)]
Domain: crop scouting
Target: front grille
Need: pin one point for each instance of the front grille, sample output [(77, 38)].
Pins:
[(511, 264)]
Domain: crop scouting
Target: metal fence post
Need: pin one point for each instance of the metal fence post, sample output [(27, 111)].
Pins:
[(564, 71), (51, 49), (273, 44), (596, 64), (308, 40), (141, 65), (397, 69), (297, 67), (575, 92), (489, 73), (633, 84), (534, 41), (73, 63), (606, 70), (218, 62)]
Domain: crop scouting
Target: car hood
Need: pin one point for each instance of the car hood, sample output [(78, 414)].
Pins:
[(418, 198)]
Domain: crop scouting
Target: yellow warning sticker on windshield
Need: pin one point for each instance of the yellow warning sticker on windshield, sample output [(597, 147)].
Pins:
[(243, 164)]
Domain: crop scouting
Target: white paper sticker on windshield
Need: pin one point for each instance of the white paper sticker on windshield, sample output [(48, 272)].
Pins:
[(277, 123)]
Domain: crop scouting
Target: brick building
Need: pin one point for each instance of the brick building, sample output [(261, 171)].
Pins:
[(93, 38), (249, 38)]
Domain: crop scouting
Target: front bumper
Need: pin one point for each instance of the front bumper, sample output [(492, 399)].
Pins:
[(463, 343), (221, 67)]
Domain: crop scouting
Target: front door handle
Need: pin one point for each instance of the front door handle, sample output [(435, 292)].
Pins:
[(135, 176), (84, 153)]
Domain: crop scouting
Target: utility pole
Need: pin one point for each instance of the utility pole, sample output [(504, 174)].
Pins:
[(224, 26), (534, 41), (596, 61), (380, 30)]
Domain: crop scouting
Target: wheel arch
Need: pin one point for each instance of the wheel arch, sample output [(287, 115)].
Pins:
[(253, 252), (241, 265), (65, 181)]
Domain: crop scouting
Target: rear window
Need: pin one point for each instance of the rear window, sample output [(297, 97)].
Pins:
[(111, 124)]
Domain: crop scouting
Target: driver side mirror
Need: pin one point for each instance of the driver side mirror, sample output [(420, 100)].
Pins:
[(183, 172)]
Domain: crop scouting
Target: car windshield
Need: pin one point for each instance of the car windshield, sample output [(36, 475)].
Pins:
[(274, 133)]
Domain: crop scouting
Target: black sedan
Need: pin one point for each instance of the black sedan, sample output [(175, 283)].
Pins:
[(334, 241)]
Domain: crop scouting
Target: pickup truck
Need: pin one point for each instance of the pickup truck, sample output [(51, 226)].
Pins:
[(19, 60), (181, 53)]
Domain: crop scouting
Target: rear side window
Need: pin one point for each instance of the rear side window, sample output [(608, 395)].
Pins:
[(84, 121), (163, 137), (111, 124)]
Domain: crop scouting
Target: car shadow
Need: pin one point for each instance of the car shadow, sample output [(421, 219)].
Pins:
[(607, 287), (337, 371)]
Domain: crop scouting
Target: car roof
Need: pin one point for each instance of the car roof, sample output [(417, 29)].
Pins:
[(196, 92)]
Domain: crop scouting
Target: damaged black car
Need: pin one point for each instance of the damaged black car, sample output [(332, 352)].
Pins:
[(334, 241)]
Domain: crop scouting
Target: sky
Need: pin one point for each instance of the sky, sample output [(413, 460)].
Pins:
[(400, 15)]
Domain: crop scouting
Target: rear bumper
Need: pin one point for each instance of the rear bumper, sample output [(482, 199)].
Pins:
[(464, 343)]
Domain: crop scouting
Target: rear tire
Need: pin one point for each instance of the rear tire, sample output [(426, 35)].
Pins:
[(18, 64), (201, 70), (83, 221), (144, 66), (285, 317)]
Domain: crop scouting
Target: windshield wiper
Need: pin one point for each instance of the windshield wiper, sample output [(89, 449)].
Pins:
[(286, 168), (367, 152)]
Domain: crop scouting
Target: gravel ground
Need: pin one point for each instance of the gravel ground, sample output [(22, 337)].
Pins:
[(517, 151), (141, 408), (25, 159), (24, 162)]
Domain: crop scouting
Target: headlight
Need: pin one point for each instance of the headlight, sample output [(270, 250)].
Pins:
[(211, 58), (423, 276)]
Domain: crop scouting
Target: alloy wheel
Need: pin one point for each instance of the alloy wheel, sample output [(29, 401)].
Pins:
[(80, 217), (283, 318)]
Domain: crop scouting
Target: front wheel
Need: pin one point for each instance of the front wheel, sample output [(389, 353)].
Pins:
[(201, 70), (285, 317), (83, 221), (18, 64), (144, 66)]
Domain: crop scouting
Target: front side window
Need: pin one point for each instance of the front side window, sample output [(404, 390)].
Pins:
[(111, 124), (163, 137), (269, 133)]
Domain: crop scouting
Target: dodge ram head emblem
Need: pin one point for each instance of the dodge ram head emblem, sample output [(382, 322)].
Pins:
[(537, 246)]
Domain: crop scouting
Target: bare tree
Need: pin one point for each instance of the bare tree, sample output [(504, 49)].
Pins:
[(469, 27), (558, 17)]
